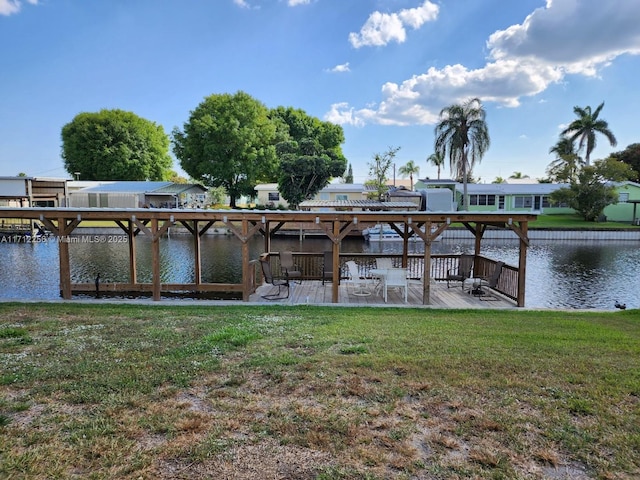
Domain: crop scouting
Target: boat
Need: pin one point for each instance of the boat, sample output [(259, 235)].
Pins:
[(382, 232)]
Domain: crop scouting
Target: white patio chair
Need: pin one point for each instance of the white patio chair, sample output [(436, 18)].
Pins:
[(360, 284), (384, 263), (396, 278)]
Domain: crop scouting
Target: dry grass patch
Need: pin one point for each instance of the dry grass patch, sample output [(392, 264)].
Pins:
[(317, 393)]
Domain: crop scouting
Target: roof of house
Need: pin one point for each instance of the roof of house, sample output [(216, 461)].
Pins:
[(126, 187), (510, 188), (178, 188), (361, 204), (332, 187)]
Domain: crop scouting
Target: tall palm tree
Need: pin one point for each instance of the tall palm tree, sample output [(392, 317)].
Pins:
[(437, 160), (462, 135), (585, 128), (567, 163), (408, 170)]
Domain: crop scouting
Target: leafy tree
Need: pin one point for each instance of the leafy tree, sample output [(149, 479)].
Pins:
[(565, 167), (518, 176), (409, 170), (630, 156), (437, 160), (592, 191), (378, 171), (310, 154), (22, 174), (462, 135), (229, 141), (175, 177), (115, 145), (585, 128), (216, 195), (348, 178), (499, 180)]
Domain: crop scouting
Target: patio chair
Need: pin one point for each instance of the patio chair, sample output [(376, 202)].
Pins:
[(396, 278), (289, 267), (360, 284), (465, 265), (490, 281), (327, 267), (384, 263), (281, 283)]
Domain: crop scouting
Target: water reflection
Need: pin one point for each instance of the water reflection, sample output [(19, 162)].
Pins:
[(559, 274)]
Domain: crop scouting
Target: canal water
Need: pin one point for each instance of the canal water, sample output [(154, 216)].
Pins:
[(560, 274)]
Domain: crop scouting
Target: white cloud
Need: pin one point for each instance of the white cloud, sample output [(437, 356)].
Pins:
[(295, 3), (565, 37), (242, 3), (383, 28), (341, 114), (340, 68), (577, 36), (8, 7)]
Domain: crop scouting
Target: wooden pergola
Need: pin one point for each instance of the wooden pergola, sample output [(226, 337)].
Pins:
[(244, 224)]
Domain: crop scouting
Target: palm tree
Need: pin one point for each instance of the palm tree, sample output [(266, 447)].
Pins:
[(585, 128), (409, 170), (567, 163), (437, 160), (463, 136), (518, 176)]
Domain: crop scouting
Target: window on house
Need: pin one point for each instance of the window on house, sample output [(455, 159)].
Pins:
[(545, 201), (342, 196), (274, 197), (482, 199), (623, 198), (522, 201)]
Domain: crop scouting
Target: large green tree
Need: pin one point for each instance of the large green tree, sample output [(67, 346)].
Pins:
[(462, 136), (310, 154), (115, 145), (228, 141), (585, 127), (592, 190), (630, 156)]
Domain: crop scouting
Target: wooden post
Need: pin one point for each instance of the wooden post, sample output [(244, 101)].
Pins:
[(155, 258), (522, 264), (246, 281), (65, 268), (426, 274), (267, 237), (133, 271), (335, 287), (197, 269)]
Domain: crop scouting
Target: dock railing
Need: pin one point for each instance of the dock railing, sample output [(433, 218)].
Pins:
[(310, 265)]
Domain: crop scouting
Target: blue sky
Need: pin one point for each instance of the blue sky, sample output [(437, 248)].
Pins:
[(383, 69)]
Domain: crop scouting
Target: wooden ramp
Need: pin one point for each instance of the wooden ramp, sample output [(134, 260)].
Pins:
[(314, 293)]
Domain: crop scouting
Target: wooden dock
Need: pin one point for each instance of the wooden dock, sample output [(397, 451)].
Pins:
[(313, 292)]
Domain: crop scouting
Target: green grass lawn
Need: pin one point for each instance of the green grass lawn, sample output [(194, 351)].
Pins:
[(138, 391), (574, 222)]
